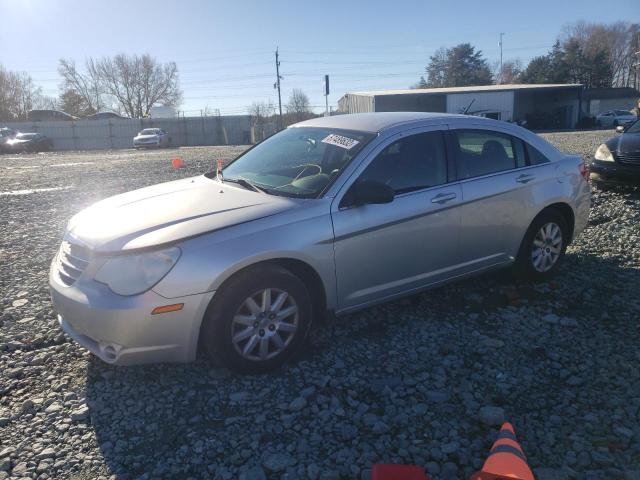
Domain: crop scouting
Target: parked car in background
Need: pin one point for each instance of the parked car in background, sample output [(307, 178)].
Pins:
[(104, 116), (30, 142), (613, 118), (152, 137), (48, 116), (6, 134), (617, 160), (332, 214)]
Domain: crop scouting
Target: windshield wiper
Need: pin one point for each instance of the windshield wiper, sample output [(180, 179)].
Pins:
[(244, 182)]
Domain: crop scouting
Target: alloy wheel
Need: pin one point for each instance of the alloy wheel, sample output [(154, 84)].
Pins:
[(265, 324), (547, 247)]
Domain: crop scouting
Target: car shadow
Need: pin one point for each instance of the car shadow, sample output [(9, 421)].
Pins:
[(198, 420)]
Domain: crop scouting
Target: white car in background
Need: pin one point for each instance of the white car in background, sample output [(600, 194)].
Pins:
[(152, 138), (613, 118)]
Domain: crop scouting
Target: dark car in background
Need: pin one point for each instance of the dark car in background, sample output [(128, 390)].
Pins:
[(48, 116), (617, 160), (104, 116), (29, 142), (6, 134)]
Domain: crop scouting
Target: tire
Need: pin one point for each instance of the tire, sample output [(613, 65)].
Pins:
[(229, 316), (537, 259)]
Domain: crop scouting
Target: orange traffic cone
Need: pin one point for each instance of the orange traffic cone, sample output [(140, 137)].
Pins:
[(506, 459), (177, 162)]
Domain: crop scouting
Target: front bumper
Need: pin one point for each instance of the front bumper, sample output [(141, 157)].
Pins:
[(614, 172), (121, 330), (142, 143)]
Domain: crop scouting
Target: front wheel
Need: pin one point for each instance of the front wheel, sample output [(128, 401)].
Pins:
[(257, 320), (543, 247)]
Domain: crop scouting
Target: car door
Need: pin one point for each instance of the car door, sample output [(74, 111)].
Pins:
[(489, 167), (388, 249)]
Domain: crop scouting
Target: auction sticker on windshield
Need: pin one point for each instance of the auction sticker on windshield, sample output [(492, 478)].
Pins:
[(340, 141)]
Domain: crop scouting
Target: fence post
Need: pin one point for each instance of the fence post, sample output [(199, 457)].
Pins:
[(184, 126), (110, 134), (73, 135)]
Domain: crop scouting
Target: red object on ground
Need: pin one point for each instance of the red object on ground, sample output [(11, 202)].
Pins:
[(397, 472), (584, 171), (506, 459), (177, 163)]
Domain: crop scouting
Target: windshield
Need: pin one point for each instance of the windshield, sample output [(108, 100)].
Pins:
[(622, 112), (299, 161), (149, 131), (27, 136), (634, 128)]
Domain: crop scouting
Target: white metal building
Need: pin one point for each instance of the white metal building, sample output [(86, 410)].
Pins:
[(553, 103), (598, 100)]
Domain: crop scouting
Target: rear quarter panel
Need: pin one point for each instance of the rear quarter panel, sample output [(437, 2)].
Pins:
[(557, 182)]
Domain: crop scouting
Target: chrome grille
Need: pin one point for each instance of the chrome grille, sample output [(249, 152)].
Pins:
[(72, 260), (631, 158)]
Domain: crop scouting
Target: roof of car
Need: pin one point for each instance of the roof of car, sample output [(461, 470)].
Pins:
[(373, 122)]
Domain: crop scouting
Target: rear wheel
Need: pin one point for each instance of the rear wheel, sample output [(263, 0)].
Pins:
[(258, 319), (543, 246)]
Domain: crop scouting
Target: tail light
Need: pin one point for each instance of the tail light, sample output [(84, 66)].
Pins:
[(584, 171)]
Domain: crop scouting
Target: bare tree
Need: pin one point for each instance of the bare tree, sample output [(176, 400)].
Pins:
[(298, 102), (139, 82), (298, 107), (511, 70), (18, 95), (615, 43), (86, 85), (260, 112)]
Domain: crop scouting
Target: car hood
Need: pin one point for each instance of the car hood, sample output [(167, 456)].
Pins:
[(146, 137), (169, 212), (625, 143)]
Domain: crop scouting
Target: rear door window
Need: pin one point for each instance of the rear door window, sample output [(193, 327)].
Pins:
[(482, 152), (535, 157)]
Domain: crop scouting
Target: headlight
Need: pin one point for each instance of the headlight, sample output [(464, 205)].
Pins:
[(603, 153), (134, 274)]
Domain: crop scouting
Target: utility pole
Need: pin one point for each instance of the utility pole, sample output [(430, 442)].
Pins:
[(277, 85), (636, 65), (501, 35)]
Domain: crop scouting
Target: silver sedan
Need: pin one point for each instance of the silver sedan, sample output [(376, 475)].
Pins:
[(332, 214), (152, 138)]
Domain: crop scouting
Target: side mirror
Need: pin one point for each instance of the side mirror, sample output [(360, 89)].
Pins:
[(620, 129), (366, 192)]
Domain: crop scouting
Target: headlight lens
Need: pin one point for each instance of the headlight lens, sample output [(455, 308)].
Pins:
[(603, 153), (134, 274)]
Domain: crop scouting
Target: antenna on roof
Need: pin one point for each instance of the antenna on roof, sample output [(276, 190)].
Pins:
[(468, 107)]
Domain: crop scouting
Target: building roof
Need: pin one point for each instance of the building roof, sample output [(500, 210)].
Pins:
[(374, 122), (480, 88), (602, 93)]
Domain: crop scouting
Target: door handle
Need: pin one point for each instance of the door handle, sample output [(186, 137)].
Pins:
[(443, 198), (525, 178)]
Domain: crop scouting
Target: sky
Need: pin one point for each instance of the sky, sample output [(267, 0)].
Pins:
[(225, 49)]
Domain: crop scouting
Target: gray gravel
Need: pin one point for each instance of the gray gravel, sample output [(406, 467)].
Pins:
[(424, 380)]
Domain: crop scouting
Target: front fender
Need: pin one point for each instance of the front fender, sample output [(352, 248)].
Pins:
[(209, 260)]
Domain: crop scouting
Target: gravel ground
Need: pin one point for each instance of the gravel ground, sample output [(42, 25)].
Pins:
[(424, 380)]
